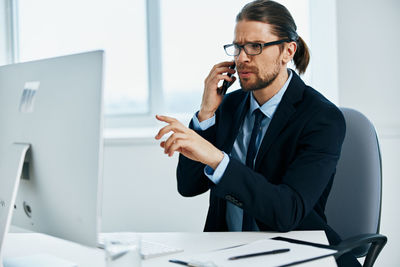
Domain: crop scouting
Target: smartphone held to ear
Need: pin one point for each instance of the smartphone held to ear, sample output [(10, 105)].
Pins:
[(226, 84)]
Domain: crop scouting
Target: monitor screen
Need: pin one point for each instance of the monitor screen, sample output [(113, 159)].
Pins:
[(55, 106)]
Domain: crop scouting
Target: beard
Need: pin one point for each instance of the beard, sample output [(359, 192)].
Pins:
[(260, 82)]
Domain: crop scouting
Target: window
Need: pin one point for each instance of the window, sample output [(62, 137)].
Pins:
[(50, 28), (158, 52)]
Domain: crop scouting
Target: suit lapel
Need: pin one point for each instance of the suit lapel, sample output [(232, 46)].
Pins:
[(282, 115), (278, 122)]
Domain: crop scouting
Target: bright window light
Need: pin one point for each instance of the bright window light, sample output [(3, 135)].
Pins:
[(49, 28)]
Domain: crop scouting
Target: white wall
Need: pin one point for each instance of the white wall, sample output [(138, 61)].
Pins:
[(390, 219), (323, 49), (140, 190), (368, 61)]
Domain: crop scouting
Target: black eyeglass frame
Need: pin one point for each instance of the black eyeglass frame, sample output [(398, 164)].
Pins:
[(242, 47)]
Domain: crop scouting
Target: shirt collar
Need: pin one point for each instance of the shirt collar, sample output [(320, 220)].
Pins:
[(269, 107)]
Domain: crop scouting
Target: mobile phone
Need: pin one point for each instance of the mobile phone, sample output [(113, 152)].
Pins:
[(226, 84)]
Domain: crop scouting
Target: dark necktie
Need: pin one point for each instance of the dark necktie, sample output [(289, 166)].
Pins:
[(251, 153)]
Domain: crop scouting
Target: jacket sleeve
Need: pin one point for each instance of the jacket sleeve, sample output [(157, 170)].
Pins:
[(283, 206), (190, 174)]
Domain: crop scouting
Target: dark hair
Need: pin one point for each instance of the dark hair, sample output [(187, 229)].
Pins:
[(282, 24)]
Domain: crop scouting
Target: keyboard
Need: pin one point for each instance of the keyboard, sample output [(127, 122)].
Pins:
[(147, 249)]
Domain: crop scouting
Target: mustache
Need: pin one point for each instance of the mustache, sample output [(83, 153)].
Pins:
[(244, 67)]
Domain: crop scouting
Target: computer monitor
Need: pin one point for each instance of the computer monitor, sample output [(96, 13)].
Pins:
[(54, 106)]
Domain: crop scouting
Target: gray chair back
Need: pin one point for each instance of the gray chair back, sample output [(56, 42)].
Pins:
[(354, 203)]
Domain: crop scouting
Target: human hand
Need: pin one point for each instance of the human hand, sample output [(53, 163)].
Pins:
[(211, 99), (188, 143)]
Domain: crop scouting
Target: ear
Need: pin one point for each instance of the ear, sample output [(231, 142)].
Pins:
[(289, 51)]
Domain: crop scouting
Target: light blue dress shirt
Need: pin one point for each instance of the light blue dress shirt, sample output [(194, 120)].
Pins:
[(234, 214)]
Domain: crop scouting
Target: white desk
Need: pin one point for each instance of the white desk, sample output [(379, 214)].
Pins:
[(23, 244)]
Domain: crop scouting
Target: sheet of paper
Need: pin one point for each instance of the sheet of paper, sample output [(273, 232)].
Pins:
[(38, 260), (297, 253)]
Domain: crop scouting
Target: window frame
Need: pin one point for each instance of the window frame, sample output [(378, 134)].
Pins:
[(155, 84), (10, 43)]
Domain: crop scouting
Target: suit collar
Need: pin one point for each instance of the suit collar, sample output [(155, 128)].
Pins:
[(295, 90)]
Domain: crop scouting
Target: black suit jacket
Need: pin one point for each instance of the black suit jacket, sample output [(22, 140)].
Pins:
[(294, 168)]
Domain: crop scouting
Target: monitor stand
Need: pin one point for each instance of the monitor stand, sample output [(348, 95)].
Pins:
[(10, 175)]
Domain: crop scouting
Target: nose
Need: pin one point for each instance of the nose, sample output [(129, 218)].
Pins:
[(242, 57)]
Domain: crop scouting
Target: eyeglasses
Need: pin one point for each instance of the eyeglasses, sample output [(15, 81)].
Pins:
[(251, 49)]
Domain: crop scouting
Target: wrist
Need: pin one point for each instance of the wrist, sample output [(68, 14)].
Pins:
[(204, 115), (216, 160)]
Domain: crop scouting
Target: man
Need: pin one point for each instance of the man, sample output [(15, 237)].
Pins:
[(267, 152)]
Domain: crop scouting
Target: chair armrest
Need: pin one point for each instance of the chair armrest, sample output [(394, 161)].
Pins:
[(377, 242)]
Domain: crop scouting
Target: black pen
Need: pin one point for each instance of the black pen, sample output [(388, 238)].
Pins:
[(194, 263), (180, 262), (184, 263), (277, 251)]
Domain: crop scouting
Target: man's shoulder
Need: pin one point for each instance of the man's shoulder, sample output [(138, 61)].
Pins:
[(317, 101), (309, 104), (318, 107), (303, 95)]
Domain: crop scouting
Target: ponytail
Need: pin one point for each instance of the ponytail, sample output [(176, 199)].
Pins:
[(302, 56)]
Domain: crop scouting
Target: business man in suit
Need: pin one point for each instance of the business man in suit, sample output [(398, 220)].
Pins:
[(267, 152)]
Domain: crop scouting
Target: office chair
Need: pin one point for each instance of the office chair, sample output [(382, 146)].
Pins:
[(353, 208)]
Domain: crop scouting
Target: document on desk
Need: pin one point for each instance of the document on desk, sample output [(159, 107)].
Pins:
[(257, 253)]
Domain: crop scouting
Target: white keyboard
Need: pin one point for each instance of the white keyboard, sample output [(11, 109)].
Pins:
[(147, 250)]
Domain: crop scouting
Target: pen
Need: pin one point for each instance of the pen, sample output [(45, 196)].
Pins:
[(194, 263), (180, 262), (277, 251)]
